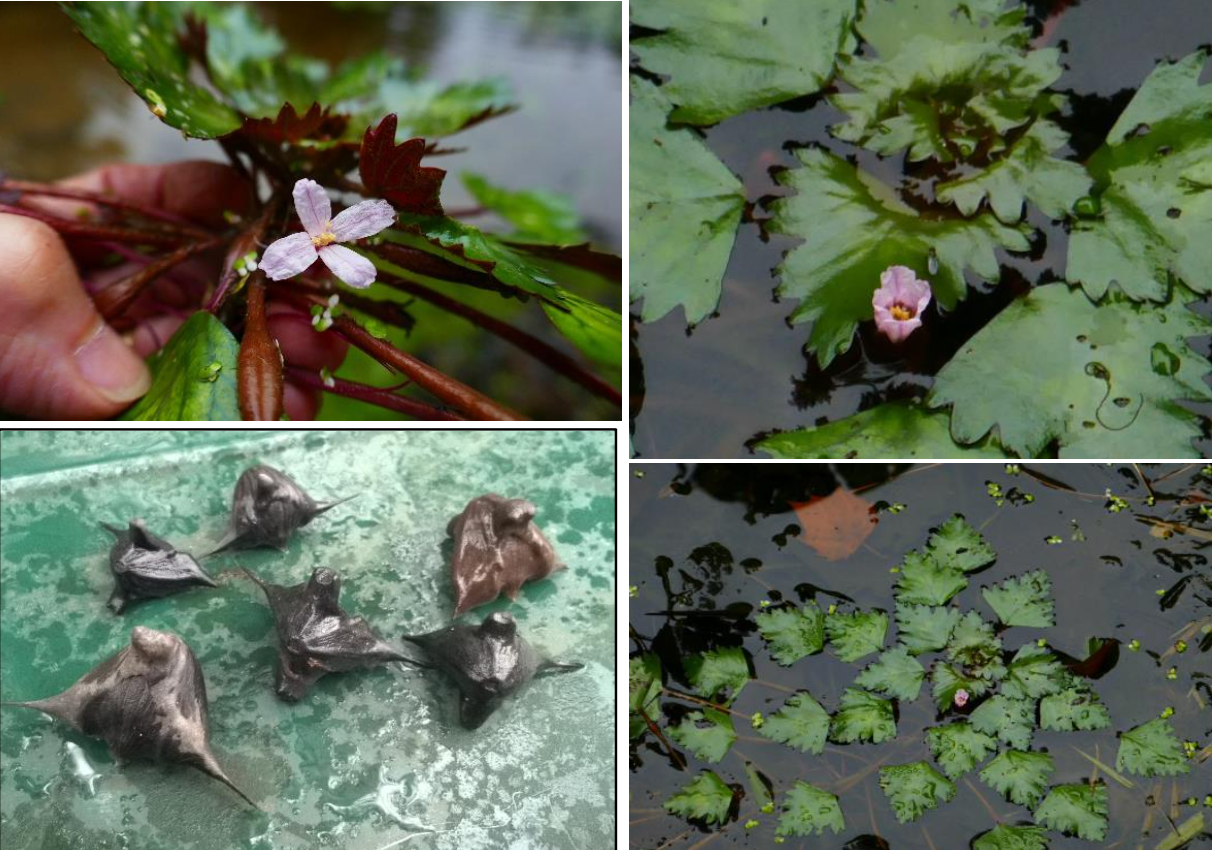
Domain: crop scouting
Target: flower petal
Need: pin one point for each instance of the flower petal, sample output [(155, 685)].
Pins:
[(362, 219), (353, 269), (287, 257), (313, 206), (924, 299)]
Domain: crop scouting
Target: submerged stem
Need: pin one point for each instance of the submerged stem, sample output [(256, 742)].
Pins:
[(372, 395)]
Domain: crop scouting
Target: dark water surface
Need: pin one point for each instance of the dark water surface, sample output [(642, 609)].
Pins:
[(744, 371), (731, 540)]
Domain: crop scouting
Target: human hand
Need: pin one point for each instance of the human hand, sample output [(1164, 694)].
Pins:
[(60, 360)]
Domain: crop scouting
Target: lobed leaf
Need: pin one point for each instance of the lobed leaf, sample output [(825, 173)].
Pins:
[(706, 798), (958, 747), (974, 645), (925, 628), (948, 681), (862, 717), (1021, 777), (913, 789), (792, 633), (725, 669), (710, 741), (895, 674), (922, 581), (801, 723), (807, 810), (1075, 707), (644, 692), (1033, 672), (1003, 837), (394, 172), (1077, 809), (1152, 749), (856, 634), (1011, 720), (956, 545), (1024, 600)]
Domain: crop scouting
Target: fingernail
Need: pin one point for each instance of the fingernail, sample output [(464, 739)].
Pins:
[(105, 362)]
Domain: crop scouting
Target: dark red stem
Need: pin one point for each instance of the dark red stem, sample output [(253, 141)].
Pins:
[(81, 230), (105, 200), (114, 299), (422, 262), (372, 395), (248, 239)]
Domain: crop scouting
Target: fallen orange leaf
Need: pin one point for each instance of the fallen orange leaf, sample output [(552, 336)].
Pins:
[(835, 525)]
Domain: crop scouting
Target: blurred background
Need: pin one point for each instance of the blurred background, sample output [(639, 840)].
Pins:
[(63, 109)]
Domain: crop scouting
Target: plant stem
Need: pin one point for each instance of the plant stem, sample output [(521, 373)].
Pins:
[(248, 239), (259, 368), (372, 395), (114, 299), (430, 265), (385, 311), (81, 230), (546, 354), (454, 393), (50, 191)]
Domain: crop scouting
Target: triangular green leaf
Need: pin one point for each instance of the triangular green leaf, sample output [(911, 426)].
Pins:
[(1152, 749), (1011, 720), (808, 810), (895, 674), (922, 581), (685, 209), (914, 789), (1113, 378), (759, 788), (974, 646), (862, 717), (723, 58), (706, 798), (1075, 707), (644, 686), (956, 545), (725, 669), (801, 723), (854, 228), (925, 628), (958, 747), (1020, 777), (1077, 809), (856, 634), (1032, 673), (710, 741), (792, 633), (193, 376), (1003, 837), (1024, 600)]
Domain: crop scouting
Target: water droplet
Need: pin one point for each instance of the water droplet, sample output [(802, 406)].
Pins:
[(932, 262), (1164, 361)]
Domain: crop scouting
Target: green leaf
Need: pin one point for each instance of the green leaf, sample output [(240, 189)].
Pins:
[(1024, 600), (862, 717), (1112, 380), (644, 686), (709, 742), (801, 723), (957, 545), (922, 581), (1027, 171), (948, 681), (958, 747), (536, 216), (186, 384), (1032, 673), (725, 669), (1011, 720), (1075, 707), (925, 628), (891, 26), (913, 789), (854, 227), (807, 810), (685, 209), (1077, 809), (759, 788), (856, 634), (1155, 177), (706, 798), (895, 674), (431, 109), (894, 429), (1021, 777), (140, 41), (974, 645), (595, 330), (1003, 837), (1152, 749), (724, 58), (792, 634)]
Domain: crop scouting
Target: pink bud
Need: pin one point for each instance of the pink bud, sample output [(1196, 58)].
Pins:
[(961, 698), (899, 302)]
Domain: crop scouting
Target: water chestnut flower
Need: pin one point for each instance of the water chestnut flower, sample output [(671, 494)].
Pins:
[(899, 302), (961, 698), (292, 255)]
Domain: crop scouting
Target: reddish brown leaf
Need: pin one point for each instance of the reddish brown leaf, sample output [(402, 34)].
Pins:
[(394, 172), (289, 126), (835, 525)]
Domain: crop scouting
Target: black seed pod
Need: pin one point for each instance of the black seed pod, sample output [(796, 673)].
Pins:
[(266, 508), (147, 567)]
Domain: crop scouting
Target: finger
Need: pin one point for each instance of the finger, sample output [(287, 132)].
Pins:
[(301, 404), (302, 345), (151, 335), (58, 359), (197, 190)]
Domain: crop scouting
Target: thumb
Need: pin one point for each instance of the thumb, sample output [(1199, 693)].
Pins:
[(58, 358)]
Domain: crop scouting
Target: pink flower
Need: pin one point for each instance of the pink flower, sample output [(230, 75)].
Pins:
[(961, 696), (899, 302), (293, 254)]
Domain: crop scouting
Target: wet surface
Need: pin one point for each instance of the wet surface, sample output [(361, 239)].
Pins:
[(726, 539), (744, 372), (369, 759)]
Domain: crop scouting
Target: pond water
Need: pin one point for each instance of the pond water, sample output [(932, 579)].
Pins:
[(743, 372), (710, 543), (369, 759)]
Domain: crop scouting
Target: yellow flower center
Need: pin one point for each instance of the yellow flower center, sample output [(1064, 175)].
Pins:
[(325, 238), (898, 312)]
